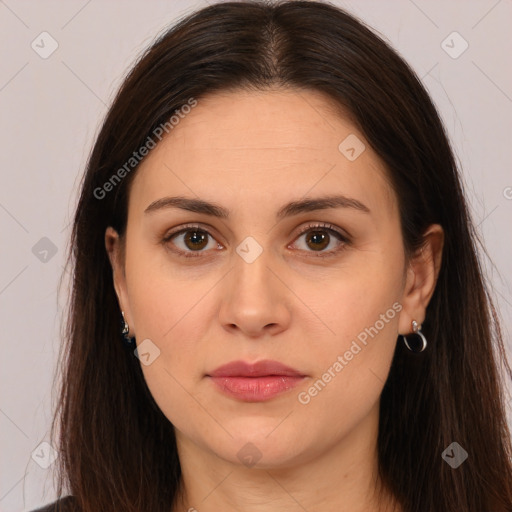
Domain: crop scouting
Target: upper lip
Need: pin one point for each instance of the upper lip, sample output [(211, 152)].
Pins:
[(258, 369)]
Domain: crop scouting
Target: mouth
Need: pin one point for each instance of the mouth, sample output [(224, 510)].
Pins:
[(255, 382)]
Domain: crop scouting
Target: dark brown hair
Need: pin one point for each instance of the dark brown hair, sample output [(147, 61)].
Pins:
[(117, 449)]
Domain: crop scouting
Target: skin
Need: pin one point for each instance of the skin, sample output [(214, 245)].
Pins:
[(288, 305)]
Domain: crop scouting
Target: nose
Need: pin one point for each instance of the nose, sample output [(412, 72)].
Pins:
[(256, 299)]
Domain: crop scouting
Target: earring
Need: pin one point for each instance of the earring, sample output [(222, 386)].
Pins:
[(416, 331), (128, 341)]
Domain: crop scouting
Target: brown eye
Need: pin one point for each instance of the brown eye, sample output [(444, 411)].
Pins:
[(318, 237), (195, 240), (190, 241)]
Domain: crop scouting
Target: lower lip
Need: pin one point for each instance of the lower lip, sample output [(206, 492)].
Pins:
[(256, 389)]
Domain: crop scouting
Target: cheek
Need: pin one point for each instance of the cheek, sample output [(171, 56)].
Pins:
[(351, 365), (359, 314), (356, 297), (172, 313)]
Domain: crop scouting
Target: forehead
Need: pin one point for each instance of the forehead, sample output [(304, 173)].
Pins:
[(254, 144), (258, 120)]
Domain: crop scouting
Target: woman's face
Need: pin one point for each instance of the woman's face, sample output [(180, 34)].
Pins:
[(251, 286)]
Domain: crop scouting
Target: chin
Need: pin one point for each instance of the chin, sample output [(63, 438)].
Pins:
[(264, 448)]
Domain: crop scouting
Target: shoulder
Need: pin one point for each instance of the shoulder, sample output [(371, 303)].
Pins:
[(66, 504)]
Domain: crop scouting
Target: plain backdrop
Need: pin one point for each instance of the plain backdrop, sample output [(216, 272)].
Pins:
[(51, 109)]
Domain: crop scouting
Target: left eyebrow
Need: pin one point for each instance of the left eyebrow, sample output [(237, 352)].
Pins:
[(288, 210)]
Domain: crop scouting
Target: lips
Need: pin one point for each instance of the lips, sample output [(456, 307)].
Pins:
[(255, 382), (259, 369)]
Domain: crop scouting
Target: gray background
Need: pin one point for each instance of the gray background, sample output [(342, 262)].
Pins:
[(50, 112)]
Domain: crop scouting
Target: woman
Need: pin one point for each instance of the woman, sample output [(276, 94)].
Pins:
[(273, 212)]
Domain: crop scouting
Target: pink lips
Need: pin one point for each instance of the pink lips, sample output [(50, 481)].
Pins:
[(255, 382)]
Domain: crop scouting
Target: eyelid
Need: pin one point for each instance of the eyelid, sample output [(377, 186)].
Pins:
[(326, 226), (188, 227), (342, 235)]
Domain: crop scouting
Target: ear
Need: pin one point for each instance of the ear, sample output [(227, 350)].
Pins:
[(420, 283), (116, 253)]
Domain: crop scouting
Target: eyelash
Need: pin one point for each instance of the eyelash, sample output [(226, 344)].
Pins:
[(310, 227)]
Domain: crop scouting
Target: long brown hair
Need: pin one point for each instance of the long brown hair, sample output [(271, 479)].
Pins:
[(117, 449)]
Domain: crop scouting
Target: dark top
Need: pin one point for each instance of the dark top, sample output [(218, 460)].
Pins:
[(63, 505)]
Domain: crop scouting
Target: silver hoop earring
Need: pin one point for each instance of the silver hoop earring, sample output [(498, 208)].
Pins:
[(128, 341), (419, 336)]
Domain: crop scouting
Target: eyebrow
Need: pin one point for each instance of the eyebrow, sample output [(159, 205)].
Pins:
[(288, 210)]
